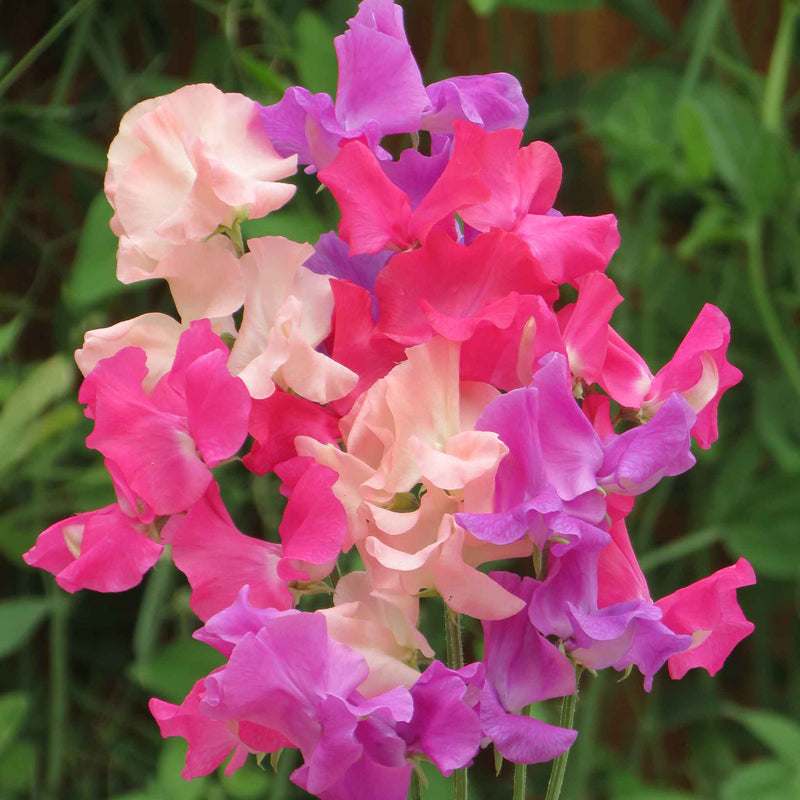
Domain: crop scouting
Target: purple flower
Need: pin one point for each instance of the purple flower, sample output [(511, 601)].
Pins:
[(522, 667), (380, 91)]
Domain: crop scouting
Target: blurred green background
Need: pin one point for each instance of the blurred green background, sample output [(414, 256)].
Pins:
[(679, 116)]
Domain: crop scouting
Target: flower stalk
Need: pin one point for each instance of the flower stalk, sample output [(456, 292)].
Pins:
[(566, 718), (455, 660)]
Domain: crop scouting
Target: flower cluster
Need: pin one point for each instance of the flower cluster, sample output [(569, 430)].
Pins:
[(437, 386)]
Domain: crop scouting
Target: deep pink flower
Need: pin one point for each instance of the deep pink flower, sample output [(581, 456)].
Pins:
[(276, 420), (700, 372), (313, 528), (163, 443), (448, 289), (211, 742), (104, 550), (218, 559), (708, 611)]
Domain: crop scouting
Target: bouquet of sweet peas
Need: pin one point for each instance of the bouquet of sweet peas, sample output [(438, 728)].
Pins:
[(436, 385)]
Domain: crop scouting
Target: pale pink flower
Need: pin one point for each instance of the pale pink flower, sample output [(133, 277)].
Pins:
[(415, 428), (381, 626), (184, 164), (287, 314)]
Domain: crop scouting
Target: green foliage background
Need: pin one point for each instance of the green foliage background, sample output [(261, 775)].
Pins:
[(690, 139)]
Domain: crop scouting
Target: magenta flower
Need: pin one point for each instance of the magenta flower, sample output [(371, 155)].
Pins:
[(709, 612), (162, 444), (522, 667), (380, 92), (218, 559), (104, 550)]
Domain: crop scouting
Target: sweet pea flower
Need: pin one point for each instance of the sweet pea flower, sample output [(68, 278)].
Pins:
[(415, 427), (206, 283), (161, 444), (211, 742), (449, 289), (381, 626), (700, 372), (558, 467), (291, 677), (521, 186), (105, 550), (218, 560), (184, 164), (522, 667), (155, 333), (287, 315), (709, 612), (380, 91)]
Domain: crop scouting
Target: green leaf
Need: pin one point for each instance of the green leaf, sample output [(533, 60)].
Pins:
[(627, 786), (633, 117), (777, 424), (715, 223), (484, 7), (763, 527), (13, 710), (50, 427), (248, 783), (647, 15), (778, 733), (170, 782), (18, 767), (47, 382), (62, 144), (19, 618), (175, 669), (274, 83), (9, 333), (93, 275), (766, 780), (690, 128), (553, 5), (315, 58), (756, 164), (296, 225)]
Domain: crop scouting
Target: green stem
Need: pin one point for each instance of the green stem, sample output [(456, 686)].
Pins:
[(19, 68), (769, 316), (151, 611), (565, 720), (521, 770), (680, 548), (59, 689), (455, 660), (779, 66), (71, 60), (520, 780), (586, 746), (415, 790), (702, 44)]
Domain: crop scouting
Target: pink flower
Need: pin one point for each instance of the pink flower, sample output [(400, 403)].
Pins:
[(155, 333), (211, 742), (416, 426), (287, 314), (699, 371), (219, 560), (381, 626), (161, 445), (104, 550), (184, 164), (709, 612), (448, 289)]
